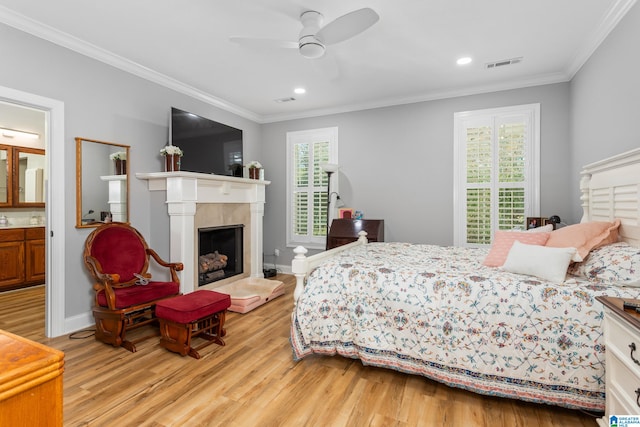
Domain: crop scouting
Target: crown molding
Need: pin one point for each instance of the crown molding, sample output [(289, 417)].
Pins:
[(45, 32), (615, 14), (432, 96)]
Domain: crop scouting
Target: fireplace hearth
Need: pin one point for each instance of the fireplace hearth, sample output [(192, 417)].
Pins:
[(219, 253)]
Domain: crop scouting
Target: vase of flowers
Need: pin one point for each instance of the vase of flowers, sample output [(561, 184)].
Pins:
[(120, 162), (254, 169), (172, 156)]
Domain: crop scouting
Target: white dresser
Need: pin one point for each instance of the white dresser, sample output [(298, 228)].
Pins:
[(622, 342)]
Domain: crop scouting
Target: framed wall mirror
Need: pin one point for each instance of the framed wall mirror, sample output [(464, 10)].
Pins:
[(102, 182)]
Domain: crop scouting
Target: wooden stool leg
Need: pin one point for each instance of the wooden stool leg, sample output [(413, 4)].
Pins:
[(193, 353), (209, 328), (177, 337), (222, 317)]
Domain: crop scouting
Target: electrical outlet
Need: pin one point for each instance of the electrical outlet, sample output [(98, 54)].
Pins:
[(276, 252)]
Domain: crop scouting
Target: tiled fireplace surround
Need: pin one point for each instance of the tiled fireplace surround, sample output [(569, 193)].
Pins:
[(196, 200)]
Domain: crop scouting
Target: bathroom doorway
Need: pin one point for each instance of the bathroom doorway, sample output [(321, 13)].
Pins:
[(53, 135)]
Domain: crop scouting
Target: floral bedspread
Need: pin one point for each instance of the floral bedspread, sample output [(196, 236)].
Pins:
[(438, 312)]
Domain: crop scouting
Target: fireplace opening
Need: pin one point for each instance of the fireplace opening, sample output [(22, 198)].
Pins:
[(219, 253)]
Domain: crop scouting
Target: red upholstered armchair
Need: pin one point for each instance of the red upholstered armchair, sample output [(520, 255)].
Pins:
[(117, 257)]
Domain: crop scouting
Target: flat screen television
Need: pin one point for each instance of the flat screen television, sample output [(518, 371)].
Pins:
[(207, 146)]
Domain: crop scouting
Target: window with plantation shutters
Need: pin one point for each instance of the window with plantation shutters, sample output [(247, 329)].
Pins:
[(496, 171), (307, 185)]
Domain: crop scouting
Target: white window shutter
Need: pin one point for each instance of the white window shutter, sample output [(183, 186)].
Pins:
[(496, 171), (307, 185)]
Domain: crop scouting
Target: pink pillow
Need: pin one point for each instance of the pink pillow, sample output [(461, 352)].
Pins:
[(503, 240), (585, 237)]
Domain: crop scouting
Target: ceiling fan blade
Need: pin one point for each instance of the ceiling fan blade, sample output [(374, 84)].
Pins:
[(264, 43), (347, 26)]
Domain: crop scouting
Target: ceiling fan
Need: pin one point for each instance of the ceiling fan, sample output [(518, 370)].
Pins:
[(312, 38)]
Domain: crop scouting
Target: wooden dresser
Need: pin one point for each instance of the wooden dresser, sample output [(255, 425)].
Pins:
[(30, 382), (345, 231), (622, 343)]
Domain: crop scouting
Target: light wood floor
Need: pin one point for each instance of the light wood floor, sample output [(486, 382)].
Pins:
[(252, 381)]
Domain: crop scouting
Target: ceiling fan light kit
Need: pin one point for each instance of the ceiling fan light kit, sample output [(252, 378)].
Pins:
[(311, 48)]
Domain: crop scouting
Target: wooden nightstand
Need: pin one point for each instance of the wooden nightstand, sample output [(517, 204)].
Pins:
[(622, 343), (345, 231)]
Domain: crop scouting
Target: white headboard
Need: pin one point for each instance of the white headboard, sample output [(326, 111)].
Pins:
[(611, 189)]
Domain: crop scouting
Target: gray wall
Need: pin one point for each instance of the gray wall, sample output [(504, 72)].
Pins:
[(104, 103), (396, 163), (605, 101)]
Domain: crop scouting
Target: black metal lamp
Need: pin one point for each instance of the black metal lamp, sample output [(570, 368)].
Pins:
[(329, 169), (555, 220), (339, 203)]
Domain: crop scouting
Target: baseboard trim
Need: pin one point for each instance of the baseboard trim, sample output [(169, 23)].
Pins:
[(79, 322)]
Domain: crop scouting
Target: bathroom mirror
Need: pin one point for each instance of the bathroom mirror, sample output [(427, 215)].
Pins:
[(5, 178), (102, 182), (22, 176), (30, 167)]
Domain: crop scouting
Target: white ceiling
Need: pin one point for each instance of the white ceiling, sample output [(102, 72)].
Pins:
[(408, 56)]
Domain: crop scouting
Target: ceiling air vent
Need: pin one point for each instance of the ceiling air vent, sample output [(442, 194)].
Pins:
[(287, 99), (503, 62)]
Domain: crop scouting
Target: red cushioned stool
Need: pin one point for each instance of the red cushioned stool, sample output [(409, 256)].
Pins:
[(200, 313)]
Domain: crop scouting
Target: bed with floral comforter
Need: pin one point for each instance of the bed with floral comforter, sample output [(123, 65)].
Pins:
[(438, 312)]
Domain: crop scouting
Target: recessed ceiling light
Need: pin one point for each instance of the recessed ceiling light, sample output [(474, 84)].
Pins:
[(464, 60), (300, 90)]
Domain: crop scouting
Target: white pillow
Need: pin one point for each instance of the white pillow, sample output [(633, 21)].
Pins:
[(540, 261)]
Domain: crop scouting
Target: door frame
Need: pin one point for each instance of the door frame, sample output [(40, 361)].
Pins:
[(55, 196)]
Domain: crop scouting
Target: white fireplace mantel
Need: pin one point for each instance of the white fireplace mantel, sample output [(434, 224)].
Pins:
[(187, 189)]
